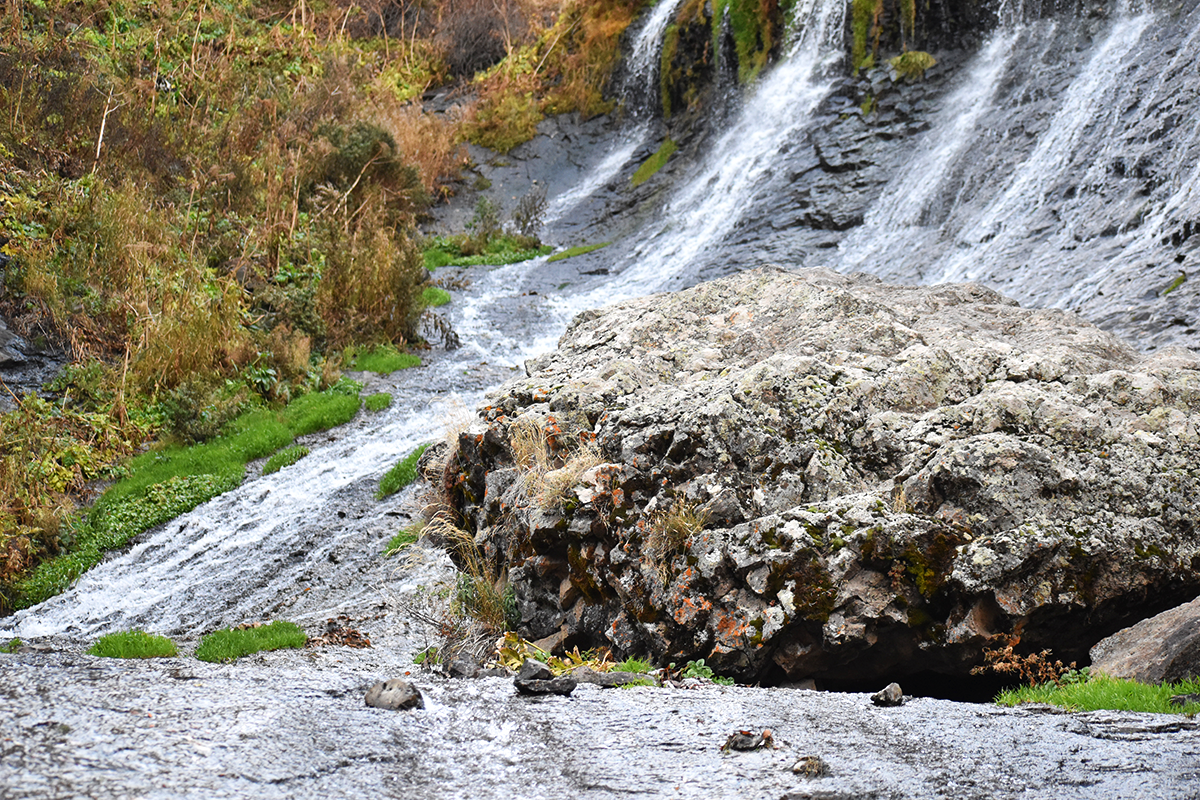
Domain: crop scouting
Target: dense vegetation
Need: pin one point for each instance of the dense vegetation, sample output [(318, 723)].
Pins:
[(211, 206)]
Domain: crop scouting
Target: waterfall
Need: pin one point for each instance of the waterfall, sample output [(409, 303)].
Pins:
[(899, 213), (638, 93), (1010, 217), (743, 161)]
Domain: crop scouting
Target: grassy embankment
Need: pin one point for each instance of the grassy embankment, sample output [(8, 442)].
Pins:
[(205, 203)]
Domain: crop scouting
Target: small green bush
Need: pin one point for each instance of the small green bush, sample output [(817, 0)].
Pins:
[(133, 644), (654, 163), (230, 644), (434, 296), (384, 359), (401, 475), (1102, 692), (404, 538), (12, 646), (284, 458), (571, 252), (378, 401)]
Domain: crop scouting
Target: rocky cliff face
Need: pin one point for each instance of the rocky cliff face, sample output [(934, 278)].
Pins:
[(813, 475)]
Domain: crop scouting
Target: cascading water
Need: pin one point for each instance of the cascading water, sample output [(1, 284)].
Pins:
[(742, 163), (638, 93)]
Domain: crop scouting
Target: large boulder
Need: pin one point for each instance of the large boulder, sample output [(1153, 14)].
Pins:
[(1162, 649), (802, 474)]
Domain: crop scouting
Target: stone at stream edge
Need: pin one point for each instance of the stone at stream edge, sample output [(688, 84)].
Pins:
[(395, 694), (1162, 649), (890, 695), (536, 678), (811, 767)]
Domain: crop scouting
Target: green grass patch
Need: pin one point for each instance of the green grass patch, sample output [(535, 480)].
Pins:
[(230, 644), (633, 665), (404, 538), (654, 163), (1180, 279), (698, 669), (1102, 692), (162, 484), (133, 644), (378, 401), (11, 646), (284, 458), (434, 296), (401, 475), (384, 359), (456, 251), (571, 252)]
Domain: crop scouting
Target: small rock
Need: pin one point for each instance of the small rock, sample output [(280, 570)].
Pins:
[(563, 685), (463, 667), (748, 740), (494, 672), (1181, 700), (890, 695), (608, 679), (395, 694), (534, 670), (811, 767)]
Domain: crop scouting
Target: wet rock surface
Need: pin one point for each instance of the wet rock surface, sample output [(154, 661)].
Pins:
[(881, 478), (78, 726), (889, 696), (395, 694), (1162, 649)]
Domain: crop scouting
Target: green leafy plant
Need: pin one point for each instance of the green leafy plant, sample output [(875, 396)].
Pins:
[(230, 644), (12, 646), (698, 669), (1095, 692), (401, 475), (911, 65), (378, 401), (133, 644), (284, 458)]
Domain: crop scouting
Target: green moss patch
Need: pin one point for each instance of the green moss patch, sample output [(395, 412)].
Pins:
[(654, 163), (133, 644), (571, 252), (284, 458), (434, 296), (383, 359), (401, 475), (1102, 692), (378, 401), (230, 644), (457, 251)]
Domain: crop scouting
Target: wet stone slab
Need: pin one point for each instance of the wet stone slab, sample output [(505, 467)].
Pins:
[(288, 727)]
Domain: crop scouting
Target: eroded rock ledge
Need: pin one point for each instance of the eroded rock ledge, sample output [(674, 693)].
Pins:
[(886, 476)]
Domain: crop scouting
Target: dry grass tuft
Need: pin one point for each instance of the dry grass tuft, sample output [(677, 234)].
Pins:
[(670, 530), (533, 446)]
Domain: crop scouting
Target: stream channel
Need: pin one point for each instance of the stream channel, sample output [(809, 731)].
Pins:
[(305, 543)]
